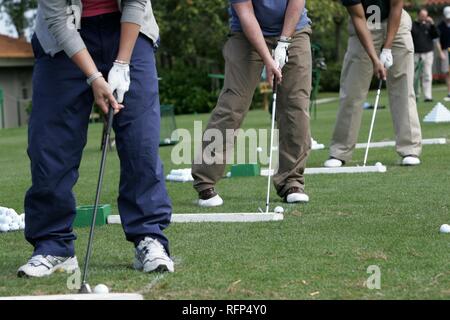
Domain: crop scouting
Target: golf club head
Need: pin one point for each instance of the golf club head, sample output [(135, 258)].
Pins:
[(85, 288)]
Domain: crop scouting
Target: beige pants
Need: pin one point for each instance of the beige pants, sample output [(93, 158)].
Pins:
[(243, 67), (427, 73), (355, 81)]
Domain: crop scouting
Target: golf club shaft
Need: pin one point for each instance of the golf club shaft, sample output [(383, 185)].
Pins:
[(97, 195), (274, 108), (377, 101)]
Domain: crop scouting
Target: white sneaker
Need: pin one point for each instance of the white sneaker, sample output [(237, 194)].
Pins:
[(152, 257), (410, 161), (209, 198), (333, 163), (295, 195), (41, 266)]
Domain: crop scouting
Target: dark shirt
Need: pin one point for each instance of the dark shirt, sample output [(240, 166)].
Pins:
[(444, 32), (384, 5), (423, 35)]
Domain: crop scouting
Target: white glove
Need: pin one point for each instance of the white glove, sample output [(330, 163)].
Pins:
[(386, 58), (281, 54), (119, 80)]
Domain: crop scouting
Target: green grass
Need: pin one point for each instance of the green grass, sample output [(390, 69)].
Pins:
[(353, 221)]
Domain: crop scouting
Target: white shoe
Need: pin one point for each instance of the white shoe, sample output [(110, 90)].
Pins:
[(152, 257), (216, 201), (209, 198), (297, 197), (333, 163), (410, 161), (41, 266)]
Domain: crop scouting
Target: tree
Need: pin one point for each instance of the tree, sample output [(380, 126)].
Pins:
[(17, 10)]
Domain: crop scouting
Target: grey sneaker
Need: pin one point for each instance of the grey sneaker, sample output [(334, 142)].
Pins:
[(152, 257), (41, 266)]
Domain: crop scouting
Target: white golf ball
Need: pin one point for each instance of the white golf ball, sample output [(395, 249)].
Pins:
[(378, 164), (4, 228), (278, 209), (101, 289), (445, 228), (259, 149), (167, 141)]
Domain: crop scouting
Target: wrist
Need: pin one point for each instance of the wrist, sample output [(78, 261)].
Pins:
[(123, 62), (96, 75), (285, 39)]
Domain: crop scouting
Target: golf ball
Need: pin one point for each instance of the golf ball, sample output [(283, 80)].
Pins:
[(279, 209), (259, 149), (445, 228), (378, 164), (167, 141), (4, 228), (101, 289)]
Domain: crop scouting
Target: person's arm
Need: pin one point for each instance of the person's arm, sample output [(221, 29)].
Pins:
[(442, 53), (57, 15), (254, 34), (131, 21), (360, 23), (293, 13), (394, 19)]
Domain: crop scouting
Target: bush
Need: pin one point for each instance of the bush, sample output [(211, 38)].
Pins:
[(187, 88), (330, 80)]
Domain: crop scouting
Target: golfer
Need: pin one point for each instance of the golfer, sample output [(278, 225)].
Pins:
[(425, 34), (257, 27), (113, 40), (390, 34)]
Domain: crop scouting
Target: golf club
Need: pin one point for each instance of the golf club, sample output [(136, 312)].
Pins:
[(85, 288), (274, 108), (377, 101)]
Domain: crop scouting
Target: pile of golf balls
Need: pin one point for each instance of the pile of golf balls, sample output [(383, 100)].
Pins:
[(10, 220)]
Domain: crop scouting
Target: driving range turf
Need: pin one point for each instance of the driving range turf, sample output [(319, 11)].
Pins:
[(320, 251)]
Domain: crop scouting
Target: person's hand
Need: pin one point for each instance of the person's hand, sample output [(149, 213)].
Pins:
[(386, 58), (273, 70), (430, 20), (104, 97), (281, 53), (379, 70), (119, 79), (443, 55)]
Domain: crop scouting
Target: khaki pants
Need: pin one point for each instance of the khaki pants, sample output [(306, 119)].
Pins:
[(355, 81), (243, 67), (427, 73)]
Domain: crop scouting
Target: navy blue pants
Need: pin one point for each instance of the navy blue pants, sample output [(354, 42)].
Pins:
[(57, 134)]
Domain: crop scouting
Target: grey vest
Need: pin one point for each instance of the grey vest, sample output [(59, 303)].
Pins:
[(149, 27)]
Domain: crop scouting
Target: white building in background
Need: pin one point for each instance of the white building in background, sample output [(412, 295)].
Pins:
[(16, 67)]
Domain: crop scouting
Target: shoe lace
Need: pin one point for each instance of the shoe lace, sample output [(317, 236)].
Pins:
[(44, 260), (151, 247)]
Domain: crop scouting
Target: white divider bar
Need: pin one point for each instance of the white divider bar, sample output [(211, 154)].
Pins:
[(384, 144), (215, 217), (89, 296)]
